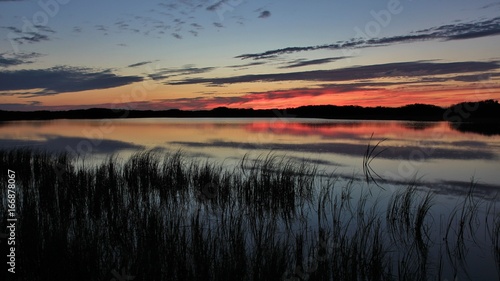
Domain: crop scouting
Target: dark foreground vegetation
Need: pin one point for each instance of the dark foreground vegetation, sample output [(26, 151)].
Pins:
[(482, 111), (160, 216)]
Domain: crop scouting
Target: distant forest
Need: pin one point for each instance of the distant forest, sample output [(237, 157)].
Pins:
[(486, 111)]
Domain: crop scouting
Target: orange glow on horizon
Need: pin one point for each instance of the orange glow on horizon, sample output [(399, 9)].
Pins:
[(129, 97), (367, 98)]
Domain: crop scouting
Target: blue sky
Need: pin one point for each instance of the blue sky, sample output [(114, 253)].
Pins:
[(194, 54)]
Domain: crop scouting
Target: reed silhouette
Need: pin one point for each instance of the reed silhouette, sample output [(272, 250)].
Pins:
[(162, 216)]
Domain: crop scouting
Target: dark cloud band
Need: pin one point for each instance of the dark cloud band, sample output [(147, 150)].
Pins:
[(458, 31), (401, 69), (62, 79)]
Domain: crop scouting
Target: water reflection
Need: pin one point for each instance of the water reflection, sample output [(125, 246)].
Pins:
[(139, 207), (487, 129), (73, 145), (392, 152), (435, 150)]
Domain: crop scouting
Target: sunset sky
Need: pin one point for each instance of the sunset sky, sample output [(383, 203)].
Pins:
[(195, 54)]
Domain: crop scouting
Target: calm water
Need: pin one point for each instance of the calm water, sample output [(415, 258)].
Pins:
[(441, 157)]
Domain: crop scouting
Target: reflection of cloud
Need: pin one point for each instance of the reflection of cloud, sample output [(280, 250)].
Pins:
[(463, 188), (388, 70), (457, 31), (419, 125), (62, 79), (358, 150), (59, 144)]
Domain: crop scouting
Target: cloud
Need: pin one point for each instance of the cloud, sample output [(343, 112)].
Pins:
[(101, 27), (491, 5), (303, 62), (62, 79), (185, 70), (216, 5), (264, 14), (31, 37), (35, 34), (253, 99), (399, 69), (457, 31), (197, 26), (19, 106), (139, 64), (246, 65), (7, 60), (475, 77)]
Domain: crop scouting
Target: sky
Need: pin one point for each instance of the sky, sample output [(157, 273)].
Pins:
[(203, 54)]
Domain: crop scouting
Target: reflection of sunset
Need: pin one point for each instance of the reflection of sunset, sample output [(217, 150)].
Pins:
[(162, 131), (355, 130), (339, 142)]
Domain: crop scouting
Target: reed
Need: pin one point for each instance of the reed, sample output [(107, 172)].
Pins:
[(162, 216)]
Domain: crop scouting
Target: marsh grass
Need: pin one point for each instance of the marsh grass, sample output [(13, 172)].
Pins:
[(371, 154), (162, 216)]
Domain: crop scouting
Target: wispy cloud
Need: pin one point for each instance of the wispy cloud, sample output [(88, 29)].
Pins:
[(35, 34), (176, 35), (491, 5), (400, 69), (215, 6), (8, 60), (139, 64), (457, 31), (304, 62), (189, 69), (264, 14), (246, 65), (61, 79)]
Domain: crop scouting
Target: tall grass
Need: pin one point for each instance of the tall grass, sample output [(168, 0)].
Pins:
[(161, 216)]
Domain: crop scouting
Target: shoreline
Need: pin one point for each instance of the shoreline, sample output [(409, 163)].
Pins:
[(482, 112)]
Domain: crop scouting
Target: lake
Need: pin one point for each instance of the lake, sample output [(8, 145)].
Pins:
[(428, 156), (434, 152)]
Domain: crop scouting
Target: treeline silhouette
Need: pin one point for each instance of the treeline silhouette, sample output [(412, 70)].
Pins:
[(483, 111)]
